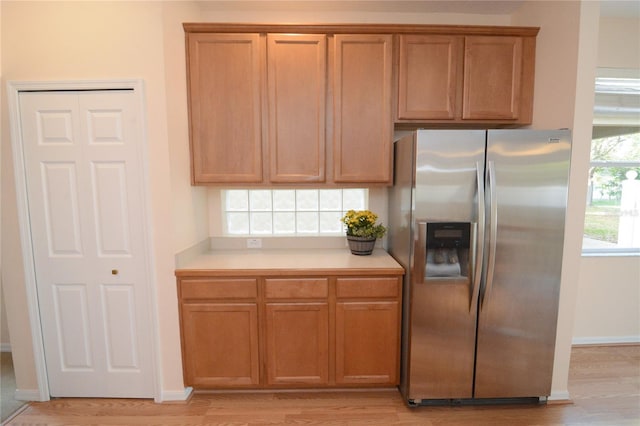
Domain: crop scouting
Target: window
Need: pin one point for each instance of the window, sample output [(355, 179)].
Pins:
[(289, 212), (612, 219)]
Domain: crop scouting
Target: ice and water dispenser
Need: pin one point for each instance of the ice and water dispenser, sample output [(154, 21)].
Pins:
[(448, 251)]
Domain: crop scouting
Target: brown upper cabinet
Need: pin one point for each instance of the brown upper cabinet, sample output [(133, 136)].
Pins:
[(225, 76), (462, 78), (363, 127), (297, 74), (232, 95), (317, 104), (493, 78), (428, 82)]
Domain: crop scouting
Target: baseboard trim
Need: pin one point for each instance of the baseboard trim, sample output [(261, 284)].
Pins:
[(183, 395), (5, 347), (27, 395), (562, 397), (608, 340)]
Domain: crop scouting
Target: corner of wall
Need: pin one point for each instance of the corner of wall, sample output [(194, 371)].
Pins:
[(175, 395)]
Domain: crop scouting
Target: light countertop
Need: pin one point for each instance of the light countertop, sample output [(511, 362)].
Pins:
[(289, 262)]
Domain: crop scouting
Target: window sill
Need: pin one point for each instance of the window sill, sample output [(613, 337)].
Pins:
[(612, 253)]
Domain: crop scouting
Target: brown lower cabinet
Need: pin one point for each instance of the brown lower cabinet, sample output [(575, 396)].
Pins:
[(290, 332), (297, 343), (364, 335), (226, 332), (219, 320)]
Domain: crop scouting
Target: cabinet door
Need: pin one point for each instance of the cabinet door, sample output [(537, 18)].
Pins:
[(297, 343), (367, 342), (492, 77), (297, 103), (224, 87), (362, 108), (220, 344), (428, 76)]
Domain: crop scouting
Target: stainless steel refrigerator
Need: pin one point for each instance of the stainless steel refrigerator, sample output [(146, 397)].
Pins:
[(477, 220)]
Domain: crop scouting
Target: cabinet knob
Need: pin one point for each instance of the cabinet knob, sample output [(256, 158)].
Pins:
[(114, 272)]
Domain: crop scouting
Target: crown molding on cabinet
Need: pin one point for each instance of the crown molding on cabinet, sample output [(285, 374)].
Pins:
[(191, 27)]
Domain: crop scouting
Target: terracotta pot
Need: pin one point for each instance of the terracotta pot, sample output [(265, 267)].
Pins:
[(361, 246)]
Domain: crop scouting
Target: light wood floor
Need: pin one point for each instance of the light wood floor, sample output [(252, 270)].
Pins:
[(604, 385)]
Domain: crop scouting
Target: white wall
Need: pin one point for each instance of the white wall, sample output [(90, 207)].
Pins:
[(95, 40), (4, 328), (189, 203), (608, 297), (5, 342), (619, 43), (561, 99), (92, 41), (608, 303)]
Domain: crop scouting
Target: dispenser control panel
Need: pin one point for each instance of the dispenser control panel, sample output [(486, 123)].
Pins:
[(448, 235)]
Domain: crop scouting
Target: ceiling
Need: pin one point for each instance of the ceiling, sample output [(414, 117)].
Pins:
[(611, 8), (407, 6), (620, 8)]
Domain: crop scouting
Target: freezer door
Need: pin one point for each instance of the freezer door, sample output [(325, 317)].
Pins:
[(442, 312), (527, 175)]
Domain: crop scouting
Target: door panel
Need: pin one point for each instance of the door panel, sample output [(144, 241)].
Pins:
[(519, 306), (220, 344), (428, 71), (104, 126), (225, 79), (84, 186), (61, 208), (72, 323), (492, 77), (111, 210), (297, 73), (362, 118), (119, 319), (367, 336), (297, 343), (54, 127)]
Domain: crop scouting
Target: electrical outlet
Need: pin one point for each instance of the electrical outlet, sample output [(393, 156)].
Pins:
[(254, 243)]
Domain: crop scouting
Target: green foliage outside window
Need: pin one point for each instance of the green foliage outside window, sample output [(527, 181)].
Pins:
[(605, 184)]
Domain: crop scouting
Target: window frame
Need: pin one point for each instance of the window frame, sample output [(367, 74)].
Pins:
[(620, 119)]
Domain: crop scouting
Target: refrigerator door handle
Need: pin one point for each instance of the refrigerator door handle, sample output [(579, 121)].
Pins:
[(479, 242), (493, 234), (420, 254)]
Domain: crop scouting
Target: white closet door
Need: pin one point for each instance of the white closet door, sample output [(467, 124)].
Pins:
[(84, 188)]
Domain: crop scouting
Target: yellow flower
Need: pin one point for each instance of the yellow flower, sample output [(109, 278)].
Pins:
[(362, 223)]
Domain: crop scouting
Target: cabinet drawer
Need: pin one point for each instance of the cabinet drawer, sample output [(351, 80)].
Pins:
[(211, 288), (296, 288), (367, 287)]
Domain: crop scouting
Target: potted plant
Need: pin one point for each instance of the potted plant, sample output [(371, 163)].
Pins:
[(362, 230)]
